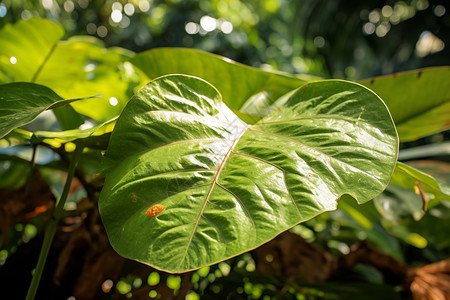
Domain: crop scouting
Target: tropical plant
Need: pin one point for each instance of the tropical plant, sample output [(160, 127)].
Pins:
[(209, 159)]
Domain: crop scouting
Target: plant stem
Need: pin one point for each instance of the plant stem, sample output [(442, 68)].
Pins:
[(53, 225), (30, 176)]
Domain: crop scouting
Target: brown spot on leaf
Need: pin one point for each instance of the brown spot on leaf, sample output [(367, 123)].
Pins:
[(154, 210)]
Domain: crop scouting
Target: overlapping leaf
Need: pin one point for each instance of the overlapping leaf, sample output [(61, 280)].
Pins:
[(248, 91), (228, 187), (418, 100)]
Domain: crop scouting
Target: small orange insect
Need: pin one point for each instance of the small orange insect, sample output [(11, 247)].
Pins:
[(154, 210)]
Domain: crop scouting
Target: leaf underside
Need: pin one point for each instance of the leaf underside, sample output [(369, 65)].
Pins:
[(228, 187)]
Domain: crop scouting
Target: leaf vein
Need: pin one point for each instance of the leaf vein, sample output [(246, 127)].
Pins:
[(310, 118), (243, 206), (318, 151)]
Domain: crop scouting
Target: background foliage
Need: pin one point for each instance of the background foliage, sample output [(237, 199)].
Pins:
[(340, 39)]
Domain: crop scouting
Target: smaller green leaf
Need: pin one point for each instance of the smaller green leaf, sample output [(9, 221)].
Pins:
[(74, 134), (409, 178), (21, 103)]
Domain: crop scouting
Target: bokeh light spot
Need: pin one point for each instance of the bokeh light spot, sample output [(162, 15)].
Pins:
[(369, 28), (319, 41), (116, 6), (107, 285), (386, 11), (91, 28), (83, 3), (144, 6), (69, 6), (3, 10), (102, 31), (116, 16), (191, 28), (226, 27), (208, 23), (129, 9), (113, 101), (374, 16), (439, 10)]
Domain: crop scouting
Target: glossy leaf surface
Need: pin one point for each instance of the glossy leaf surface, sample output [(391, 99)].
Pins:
[(21, 103), (228, 187), (419, 100), (248, 91)]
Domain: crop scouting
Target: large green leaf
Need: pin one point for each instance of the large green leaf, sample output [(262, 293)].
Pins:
[(248, 91), (228, 187), (77, 67), (419, 100), (21, 103)]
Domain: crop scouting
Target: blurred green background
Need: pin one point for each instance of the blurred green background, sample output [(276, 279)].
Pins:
[(338, 39)]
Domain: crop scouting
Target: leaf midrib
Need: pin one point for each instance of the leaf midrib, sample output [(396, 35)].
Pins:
[(213, 184)]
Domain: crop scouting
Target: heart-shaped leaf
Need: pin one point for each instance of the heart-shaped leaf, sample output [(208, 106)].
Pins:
[(189, 184)]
